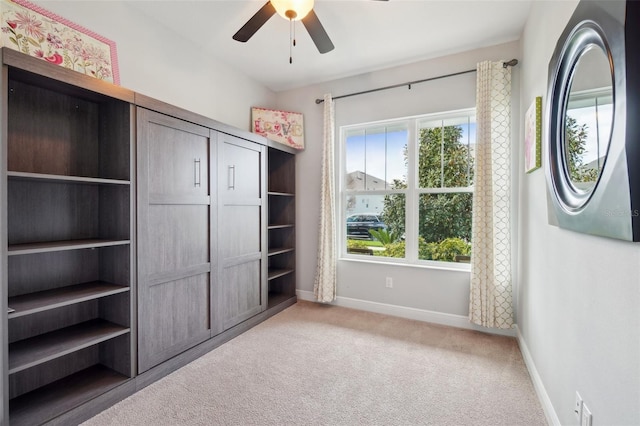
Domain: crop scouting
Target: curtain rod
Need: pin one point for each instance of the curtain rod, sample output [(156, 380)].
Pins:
[(510, 63)]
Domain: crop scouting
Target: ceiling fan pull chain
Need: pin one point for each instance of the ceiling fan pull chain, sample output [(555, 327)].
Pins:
[(292, 40)]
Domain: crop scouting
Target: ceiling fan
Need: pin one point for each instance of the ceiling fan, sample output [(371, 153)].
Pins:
[(292, 10)]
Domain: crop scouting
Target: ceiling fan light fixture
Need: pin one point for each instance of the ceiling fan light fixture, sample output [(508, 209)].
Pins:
[(294, 10)]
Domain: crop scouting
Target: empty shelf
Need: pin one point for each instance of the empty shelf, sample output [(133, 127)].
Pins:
[(279, 250), (282, 194), (31, 248), (67, 179), (275, 273), (50, 401), (50, 299), (40, 349)]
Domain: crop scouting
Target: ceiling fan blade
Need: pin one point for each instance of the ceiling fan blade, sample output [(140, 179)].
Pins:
[(254, 24), (317, 32)]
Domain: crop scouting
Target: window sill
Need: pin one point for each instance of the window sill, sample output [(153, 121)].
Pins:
[(441, 266)]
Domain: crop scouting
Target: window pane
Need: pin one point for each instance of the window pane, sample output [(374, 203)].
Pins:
[(446, 150), (587, 133), (354, 160), (444, 226), (359, 204), (377, 189), (376, 157), (367, 229)]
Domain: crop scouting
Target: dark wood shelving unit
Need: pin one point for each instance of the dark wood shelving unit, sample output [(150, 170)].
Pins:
[(281, 226), (68, 247)]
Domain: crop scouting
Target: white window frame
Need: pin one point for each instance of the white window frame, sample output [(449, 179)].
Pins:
[(412, 192)]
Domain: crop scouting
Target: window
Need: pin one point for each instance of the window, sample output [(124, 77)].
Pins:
[(588, 123), (407, 188)]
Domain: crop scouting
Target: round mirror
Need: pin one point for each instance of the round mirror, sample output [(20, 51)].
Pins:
[(588, 119), (581, 119), (592, 125)]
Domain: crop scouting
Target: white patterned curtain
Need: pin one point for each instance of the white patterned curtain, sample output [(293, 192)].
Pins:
[(490, 302), (324, 287)]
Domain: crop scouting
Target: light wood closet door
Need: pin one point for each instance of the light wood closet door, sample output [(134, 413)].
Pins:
[(242, 229), (174, 250)]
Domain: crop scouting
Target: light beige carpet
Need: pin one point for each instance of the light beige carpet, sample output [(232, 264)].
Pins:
[(325, 365)]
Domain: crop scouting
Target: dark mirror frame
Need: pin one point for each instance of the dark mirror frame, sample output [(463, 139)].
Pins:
[(612, 207)]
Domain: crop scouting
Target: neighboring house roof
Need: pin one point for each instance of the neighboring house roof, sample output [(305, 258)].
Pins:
[(358, 179)]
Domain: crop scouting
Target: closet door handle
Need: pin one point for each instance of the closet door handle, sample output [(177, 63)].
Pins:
[(231, 177), (196, 172)]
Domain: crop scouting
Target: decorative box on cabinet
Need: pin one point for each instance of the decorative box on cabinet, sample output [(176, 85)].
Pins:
[(66, 240)]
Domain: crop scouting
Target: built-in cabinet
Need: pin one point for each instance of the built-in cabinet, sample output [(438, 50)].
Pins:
[(174, 241), (66, 243), (135, 237), (241, 234), (281, 226)]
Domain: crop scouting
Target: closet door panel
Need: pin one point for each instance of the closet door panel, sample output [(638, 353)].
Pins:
[(242, 297), (174, 251), (240, 234), (242, 242), (179, 318), (242, 171), (184, 240), (182, 157)]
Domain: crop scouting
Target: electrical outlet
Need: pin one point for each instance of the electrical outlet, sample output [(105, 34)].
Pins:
[(586, 418), (389, 282), (577, 408)]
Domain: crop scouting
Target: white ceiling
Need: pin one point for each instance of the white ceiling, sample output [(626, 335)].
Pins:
[(367, 35)]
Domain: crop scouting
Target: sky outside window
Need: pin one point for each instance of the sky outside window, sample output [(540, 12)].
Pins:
[(378, 152)]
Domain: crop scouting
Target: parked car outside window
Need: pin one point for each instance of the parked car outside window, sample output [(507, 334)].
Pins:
[(359, 225)]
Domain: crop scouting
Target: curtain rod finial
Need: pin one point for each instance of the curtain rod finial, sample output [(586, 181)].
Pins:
[(319, 101), (511, 63)]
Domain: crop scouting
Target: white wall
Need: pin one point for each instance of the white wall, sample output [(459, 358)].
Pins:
[(165, 66), (579, 295), (428, 289)]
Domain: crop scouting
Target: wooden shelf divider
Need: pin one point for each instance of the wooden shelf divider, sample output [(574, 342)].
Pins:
[(32, 303), (66, 179), (45, 347), (44, 247), (280, 250), (275, 273)]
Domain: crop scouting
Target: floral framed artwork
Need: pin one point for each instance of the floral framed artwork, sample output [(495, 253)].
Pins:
[(533, 136), (281, 126), (35, 31)]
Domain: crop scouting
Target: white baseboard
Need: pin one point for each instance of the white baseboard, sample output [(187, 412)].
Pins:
[(550, 413), (441, 318)]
